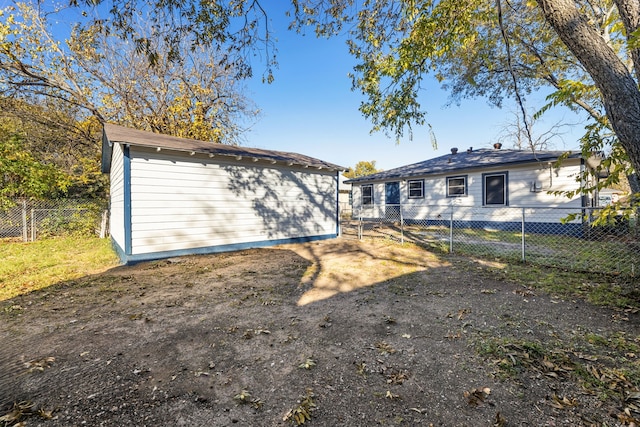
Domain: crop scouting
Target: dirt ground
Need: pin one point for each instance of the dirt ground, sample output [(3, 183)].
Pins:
[(331, 333)]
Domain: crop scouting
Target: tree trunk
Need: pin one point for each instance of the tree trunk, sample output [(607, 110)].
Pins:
[(614, 81)]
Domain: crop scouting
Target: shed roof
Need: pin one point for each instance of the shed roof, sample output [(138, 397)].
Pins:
[(120, 134), (466, 160)]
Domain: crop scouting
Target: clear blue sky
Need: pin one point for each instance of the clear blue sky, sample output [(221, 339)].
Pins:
[(310, 109)]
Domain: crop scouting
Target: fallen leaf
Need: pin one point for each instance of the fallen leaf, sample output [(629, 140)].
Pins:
[(476, 396), (390, 395)]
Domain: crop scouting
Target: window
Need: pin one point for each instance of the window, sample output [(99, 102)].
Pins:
[(416, 189), (456, 186), (495, 189), (367, 194)]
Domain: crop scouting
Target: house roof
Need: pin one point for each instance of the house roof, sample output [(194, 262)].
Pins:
[(123, 135), (465, 160)]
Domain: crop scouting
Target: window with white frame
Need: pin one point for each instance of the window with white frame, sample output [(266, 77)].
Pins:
[(416, 189), (367, 194), (456, 186), (495, 189)]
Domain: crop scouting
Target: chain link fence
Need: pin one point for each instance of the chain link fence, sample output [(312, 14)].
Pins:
[(557, 237), (29, 220)]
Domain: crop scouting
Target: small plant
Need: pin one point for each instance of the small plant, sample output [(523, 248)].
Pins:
[(384, 347), (303, 412), (245, 398), (389, 320), (361, 368), (242, 397), (307, 364)]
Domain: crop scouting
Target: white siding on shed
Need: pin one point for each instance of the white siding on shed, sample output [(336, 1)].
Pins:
[(181, 202), (117, 210)]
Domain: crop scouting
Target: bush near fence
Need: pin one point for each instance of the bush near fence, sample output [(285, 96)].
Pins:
[(544, 236), (29, 220)]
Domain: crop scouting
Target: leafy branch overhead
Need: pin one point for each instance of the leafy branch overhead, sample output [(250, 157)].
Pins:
[(103, 67), (586, 54)]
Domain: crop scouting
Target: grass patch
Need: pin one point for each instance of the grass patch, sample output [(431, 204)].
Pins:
[(599, 289), (27, 267), (604, 254)]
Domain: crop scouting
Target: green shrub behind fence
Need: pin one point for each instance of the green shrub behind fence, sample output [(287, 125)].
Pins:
[(29, 220)]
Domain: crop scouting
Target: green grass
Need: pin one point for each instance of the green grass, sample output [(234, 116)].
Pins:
[(612, 255), (27, 267), (599, 289)]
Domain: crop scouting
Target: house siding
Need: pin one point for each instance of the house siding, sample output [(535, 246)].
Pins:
[(181, 202), (117, 205), (436, 205)]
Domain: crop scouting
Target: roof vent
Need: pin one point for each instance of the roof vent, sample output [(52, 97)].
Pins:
[(454, 150), (497, 146), (470, 149)]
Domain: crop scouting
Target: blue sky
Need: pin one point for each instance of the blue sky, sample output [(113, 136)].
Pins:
[(310, 109)]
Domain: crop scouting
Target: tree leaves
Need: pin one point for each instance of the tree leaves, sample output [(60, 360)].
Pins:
[(362, 168)]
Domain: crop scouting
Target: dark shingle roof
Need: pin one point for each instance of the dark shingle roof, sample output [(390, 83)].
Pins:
[(114, 133), (465, 160)]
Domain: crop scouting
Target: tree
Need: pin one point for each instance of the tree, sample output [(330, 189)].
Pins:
[(23, 176), (362, 168), (56, 93), (587, 51), (43, 154), (521, 132), (187, 91)]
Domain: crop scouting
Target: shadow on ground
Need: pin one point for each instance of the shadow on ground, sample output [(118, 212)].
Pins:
[(350, 333)]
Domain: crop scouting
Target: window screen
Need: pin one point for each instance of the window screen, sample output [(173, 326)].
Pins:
[(495, 189)]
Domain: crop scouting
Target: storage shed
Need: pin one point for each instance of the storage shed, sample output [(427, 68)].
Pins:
[(174, 196)]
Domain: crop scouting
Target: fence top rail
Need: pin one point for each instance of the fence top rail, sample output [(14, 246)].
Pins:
[(448, 205), (59, 209)]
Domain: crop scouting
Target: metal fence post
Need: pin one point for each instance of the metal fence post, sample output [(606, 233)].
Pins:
[(451, 230), (523, 238), (105, 217), (401, 226), (33, 225), (25, 232)]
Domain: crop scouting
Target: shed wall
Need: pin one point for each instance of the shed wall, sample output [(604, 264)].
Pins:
[(117, 207), (182, 202)]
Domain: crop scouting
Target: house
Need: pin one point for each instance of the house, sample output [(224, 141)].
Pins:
[(173, 196), (482, 187), (344, 196)]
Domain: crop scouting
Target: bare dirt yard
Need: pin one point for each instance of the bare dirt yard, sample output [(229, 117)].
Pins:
[(331, 333)]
